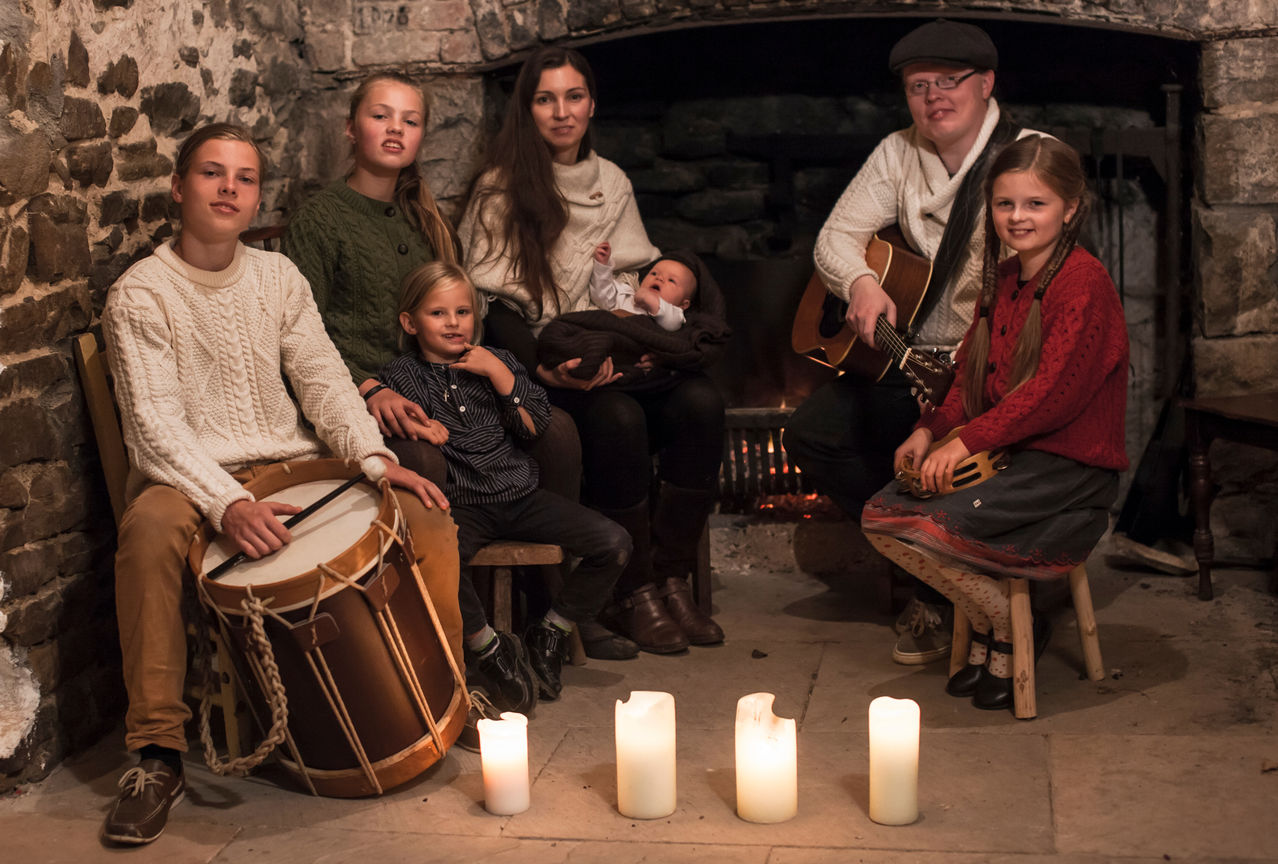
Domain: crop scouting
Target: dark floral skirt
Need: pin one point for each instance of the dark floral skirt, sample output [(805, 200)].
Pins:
[(1037, 519)]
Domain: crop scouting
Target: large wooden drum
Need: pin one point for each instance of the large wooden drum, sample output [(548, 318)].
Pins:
[(373, 695)]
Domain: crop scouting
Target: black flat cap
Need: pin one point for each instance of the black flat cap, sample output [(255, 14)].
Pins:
[(942, 41)]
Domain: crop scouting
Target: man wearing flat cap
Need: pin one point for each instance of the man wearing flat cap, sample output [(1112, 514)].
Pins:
[(843, 437)]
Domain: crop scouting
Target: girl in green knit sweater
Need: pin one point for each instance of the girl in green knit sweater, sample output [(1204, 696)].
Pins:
[(357, 239)]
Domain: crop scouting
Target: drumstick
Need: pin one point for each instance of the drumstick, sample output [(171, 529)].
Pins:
[(217, 571)]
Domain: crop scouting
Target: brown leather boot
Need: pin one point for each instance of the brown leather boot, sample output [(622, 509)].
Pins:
[(642, 616), (699, 627)]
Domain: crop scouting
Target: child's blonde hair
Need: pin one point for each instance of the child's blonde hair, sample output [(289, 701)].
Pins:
[(411, 192), (424, 281), (1059, 167)]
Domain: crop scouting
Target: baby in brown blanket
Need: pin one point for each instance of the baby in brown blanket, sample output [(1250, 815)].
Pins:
[(673, 322)]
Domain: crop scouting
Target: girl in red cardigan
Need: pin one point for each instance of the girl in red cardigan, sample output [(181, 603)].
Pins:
[(1042, 371)]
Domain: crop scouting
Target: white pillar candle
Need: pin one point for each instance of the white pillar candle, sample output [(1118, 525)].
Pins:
[(503, 753), (894, 761), (767, 770), (645, 729)]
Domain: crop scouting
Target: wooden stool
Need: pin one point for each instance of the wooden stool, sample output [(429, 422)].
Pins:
[(1024, 701), (493, 564)]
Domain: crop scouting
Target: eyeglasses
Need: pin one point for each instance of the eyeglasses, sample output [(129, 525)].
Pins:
[(945, 82)]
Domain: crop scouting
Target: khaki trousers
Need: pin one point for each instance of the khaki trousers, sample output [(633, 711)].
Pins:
[(150, 566)]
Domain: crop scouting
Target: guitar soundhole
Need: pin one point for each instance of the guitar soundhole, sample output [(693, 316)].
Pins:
[(833, 317)]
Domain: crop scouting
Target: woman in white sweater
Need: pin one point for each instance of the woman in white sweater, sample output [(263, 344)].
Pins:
[(542, 205)]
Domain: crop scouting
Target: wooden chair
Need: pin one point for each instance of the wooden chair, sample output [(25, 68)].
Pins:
[(93, 371), (1025, 703)]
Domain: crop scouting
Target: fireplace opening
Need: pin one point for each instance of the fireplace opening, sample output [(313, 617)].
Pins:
[(739, 139)]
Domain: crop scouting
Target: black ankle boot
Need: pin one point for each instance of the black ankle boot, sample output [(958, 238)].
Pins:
[(547, 648), (504, 672), (600, 643)]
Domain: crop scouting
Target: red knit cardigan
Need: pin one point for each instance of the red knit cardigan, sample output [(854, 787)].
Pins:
[(1076, 403)]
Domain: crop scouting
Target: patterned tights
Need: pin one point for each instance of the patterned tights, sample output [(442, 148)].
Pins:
[(982, 599)]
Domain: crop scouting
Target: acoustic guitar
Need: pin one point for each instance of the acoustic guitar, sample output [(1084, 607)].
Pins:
[(973, 470), (821, 331)]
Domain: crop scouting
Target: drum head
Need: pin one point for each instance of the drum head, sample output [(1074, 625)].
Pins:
[(319, 538)]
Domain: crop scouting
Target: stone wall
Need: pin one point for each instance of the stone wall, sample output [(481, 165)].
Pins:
[(92, 106), (95, 95)]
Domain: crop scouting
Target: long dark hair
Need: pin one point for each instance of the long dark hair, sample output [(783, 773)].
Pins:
[(411, 192), (1058, 166), (520, 169)]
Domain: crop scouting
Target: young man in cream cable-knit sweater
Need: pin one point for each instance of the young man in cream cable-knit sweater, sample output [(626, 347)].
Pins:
[(844, 435), (200, 336)]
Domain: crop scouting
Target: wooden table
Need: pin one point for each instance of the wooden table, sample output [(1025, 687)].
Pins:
[(1246, 419)]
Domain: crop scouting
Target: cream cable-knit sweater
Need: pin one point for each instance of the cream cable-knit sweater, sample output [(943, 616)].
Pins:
[(906, 183), (601, 206), (197, 357)]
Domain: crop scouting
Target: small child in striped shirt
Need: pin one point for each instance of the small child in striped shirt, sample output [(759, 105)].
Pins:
[(485, 399)]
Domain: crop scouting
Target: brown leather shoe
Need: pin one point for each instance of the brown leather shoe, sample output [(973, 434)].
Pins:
[(699, 627), (643, 617), (147, 793)]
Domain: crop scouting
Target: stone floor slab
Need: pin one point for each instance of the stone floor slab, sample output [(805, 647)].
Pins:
[(327, 845), (575, 796), (1182, 796), (41, 838)]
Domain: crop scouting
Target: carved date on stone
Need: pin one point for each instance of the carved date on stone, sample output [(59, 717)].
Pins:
[(380, 17)]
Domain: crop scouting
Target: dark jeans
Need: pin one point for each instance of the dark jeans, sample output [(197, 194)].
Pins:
[(843, 438), (544, 517), (621, 431)]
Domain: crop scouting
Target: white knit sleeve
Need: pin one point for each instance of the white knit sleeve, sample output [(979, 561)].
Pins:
[(603, 287), (867, 205), (161, 442), (320, 379), (669, 316)]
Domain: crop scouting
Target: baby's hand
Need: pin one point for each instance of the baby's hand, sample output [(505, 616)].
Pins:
[(603, 253), (647, 299)]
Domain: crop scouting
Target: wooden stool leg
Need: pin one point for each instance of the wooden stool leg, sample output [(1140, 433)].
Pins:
[(961, 643), (1086, 616), (576, 652), (502, 588), (1026, 705)]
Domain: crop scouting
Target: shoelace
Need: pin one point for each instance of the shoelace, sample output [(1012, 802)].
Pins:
[(139, 779), (479, 701), (923, 619)]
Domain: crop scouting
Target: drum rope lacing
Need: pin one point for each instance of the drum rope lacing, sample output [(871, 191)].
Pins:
[(277, 700)]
